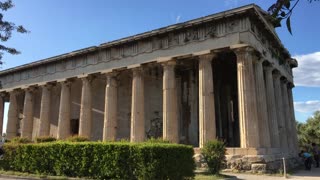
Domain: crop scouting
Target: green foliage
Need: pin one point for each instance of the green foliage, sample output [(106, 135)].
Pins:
[(157, 140), (214, 155), (309, 131), (77, 139), (6, 29), (43, 139), (20, 140), (282, 9), (101, 160)]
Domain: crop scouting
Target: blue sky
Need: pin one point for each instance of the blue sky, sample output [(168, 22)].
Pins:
[(60, 26)]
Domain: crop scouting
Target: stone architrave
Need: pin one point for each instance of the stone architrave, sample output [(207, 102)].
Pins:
[(1, 112), (44, 127), (249, 124), (262, 111), (64, 129), (170, 106), (287, 115), (13, 116), (110, 108), (207, 120), (280, 112), (85, 122), (27, 120), (137, 107), (293, 119), (272, 112)]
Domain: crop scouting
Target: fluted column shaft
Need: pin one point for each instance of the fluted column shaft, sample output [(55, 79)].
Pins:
[(262, 111), (110, 109), (170, 106), (64, 112), (207, 120), (280, 112), (137, 107), (44, 127), (85, 122), (293, 119), (287, 115), (27, 121), (12, 116), (272, 112), (1, 113), (249, 126)]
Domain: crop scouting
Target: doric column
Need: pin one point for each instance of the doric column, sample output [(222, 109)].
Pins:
[(64, 111), (27, 121), (272, 112), (85, 122), (262, 112), (1, 113), (293, 119), (137, 107), (249, 129), (287, 115), (13, 116), (44, 127), (280, 112), (170, 106), (110, 109), (207, 120)]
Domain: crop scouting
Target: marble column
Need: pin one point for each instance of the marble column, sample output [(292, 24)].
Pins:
[(249, 125), (13, 116), (44, 127), (85, 122), (271, 106), (170, 106), (110, 108), (27, 120), (287, 115), (1, 113), (137, 107), (64, 130), (262, 111), (207, 120), (280, 112), (293, 119)]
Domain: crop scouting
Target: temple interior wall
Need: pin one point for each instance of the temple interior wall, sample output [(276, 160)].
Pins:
[(54, 106), (98, 97)]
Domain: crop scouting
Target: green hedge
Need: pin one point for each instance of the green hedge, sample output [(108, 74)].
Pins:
[(101, 160)]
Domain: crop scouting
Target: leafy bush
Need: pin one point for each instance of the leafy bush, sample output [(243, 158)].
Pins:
[(43, 139), (20, 140), (101, 160), (77, 139), (214, 155), (157, 140)]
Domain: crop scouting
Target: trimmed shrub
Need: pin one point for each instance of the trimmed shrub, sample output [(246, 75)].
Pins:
[(20, 140), (214, 154), (77, 139), (43, 139), (157, 140), (101, 160)]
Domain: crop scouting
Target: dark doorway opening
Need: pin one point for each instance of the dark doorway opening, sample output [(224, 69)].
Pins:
[(226, 98)]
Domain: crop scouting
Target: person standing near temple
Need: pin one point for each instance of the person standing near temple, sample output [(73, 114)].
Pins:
[(315, 151)]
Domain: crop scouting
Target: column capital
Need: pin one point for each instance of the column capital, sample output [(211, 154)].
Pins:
[(244, 49), (268, 68), (137, 71), (87, 79), (277, 74), (208, 57), (65, 83), (169, 63)]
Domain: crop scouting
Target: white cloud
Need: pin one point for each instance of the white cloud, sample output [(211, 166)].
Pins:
[(178, 19), (308, 71), (307, 106)]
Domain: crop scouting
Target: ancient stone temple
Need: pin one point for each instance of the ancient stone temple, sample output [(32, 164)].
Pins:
[(225, 76)]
